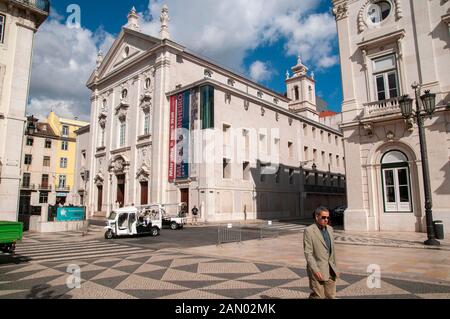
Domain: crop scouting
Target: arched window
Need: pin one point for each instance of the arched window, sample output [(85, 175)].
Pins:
[(396, 182), (296, 93)]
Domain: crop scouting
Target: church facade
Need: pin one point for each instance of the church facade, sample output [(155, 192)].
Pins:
[(169, 126), (389, 49)]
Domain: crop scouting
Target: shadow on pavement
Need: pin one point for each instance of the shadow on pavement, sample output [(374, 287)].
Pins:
[(13, 260), (45, 292)]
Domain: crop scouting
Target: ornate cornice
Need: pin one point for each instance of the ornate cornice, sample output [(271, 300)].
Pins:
[(340, 10), (143, 173), (121, 110)]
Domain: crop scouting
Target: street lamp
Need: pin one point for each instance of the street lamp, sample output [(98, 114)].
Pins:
[(429, 106)]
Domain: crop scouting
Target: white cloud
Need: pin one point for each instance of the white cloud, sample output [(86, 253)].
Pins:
[(63, 108), (63, 60), (259, 71), (228, 31)]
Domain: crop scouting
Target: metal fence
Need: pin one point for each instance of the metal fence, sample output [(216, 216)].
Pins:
[(267, 230), (229, 233)]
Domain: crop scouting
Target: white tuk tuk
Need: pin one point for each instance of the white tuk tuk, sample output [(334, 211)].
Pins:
[(174, 215), (130, 221)]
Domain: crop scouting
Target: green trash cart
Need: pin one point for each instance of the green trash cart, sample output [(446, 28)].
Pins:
[(10, 233)]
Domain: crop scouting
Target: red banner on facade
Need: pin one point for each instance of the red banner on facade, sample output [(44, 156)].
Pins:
[(172, 142)]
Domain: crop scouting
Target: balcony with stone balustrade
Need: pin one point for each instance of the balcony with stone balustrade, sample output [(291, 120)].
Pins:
[(41, 5)]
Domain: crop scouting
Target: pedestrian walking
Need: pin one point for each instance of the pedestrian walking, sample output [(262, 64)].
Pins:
[(318, 243), (194, 215)]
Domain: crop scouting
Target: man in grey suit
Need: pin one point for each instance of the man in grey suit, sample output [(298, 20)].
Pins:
[(318, 243)]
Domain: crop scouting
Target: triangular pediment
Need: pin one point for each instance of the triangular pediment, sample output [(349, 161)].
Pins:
[(128, 46)]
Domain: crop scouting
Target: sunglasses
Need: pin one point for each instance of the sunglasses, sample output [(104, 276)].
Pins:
[(325, 217)]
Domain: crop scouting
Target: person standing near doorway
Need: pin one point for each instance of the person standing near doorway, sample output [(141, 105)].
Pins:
[(194, 215), (318, 243)]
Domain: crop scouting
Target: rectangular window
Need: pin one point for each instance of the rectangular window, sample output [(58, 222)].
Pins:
[(323, 158), (306, 153), (330, 159), (314, 132), (2, 27), (62, 181), (277, 150), (63, 162), (321, 136), (207, 106), (338, 161), (305, 129), (291, 149), (278, 175), (386, 79), (43, 197), (30, 141), (226, 129), (65, 145), (336, 139), (147, 124), (65, 131), (102, 137), (226, 169), (48, 143), (246, 135), (291, 176), (122, 131), (246, 171), (28, 159), (329, 138), (262, 144), (46, 162), (26, 180), (315, 155), (44, 180)]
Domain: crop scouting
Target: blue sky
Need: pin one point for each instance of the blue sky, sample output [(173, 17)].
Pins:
[(258, 38)]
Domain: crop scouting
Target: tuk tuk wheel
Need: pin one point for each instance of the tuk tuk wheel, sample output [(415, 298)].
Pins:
[(173, 226), (109, 234), (155, 231)]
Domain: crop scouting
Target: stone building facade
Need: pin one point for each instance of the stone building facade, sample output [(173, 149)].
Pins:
[(168, 125), (386, 46), (48, 162), (19, 21)]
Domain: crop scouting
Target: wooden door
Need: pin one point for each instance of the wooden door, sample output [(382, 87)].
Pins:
[(185, 197), (99, 198), (144, 193), (121, 190)]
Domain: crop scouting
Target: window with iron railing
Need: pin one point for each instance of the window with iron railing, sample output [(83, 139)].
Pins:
[(43, 5)]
